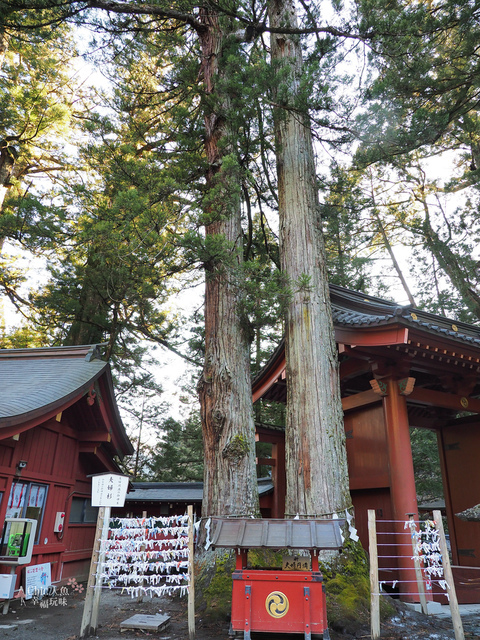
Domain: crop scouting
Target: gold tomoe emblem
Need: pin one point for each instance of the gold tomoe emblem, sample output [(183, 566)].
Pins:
[(277, 604)]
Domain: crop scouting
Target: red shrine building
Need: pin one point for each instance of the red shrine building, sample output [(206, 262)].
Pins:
[(400, 368), (59, 424)]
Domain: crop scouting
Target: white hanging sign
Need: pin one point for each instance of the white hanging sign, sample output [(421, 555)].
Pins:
[(109, 490)]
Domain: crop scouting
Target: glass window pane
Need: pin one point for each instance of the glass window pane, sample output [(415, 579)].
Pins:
[(76, 510), (91, 513), (16, 500), (35, 504)]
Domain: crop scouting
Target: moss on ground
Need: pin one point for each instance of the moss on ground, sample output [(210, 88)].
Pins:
[(347, 586), (213, 584)]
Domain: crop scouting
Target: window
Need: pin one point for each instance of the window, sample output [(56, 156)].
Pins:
[(82, 511), (27, 500)]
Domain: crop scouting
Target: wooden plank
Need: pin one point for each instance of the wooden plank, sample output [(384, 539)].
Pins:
[(428, 397), (85, 628), (98, 581), (361, 399), (374, 584), (375, 337), (447, 572)]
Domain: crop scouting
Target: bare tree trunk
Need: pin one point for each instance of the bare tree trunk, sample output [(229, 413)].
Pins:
[(7, 164), (230, 485), (317, 473), (389, 248)]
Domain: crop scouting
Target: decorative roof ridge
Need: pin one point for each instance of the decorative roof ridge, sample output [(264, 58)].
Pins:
[(89, 352), (344, 298)]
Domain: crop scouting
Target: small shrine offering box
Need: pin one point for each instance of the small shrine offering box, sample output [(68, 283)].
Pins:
[(287, 600)]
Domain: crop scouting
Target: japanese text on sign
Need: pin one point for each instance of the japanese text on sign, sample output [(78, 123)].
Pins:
[(109, 490)]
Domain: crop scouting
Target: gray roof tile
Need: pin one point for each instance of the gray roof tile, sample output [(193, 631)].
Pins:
[(178, 491), (33, 380)]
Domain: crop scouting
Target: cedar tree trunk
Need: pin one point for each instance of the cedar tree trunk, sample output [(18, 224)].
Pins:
[(230, 484), (317, 473)]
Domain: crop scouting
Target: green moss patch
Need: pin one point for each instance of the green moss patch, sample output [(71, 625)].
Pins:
[(213, 584)]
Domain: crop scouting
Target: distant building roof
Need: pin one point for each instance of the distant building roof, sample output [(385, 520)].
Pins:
[(430, 505), (178, 491)]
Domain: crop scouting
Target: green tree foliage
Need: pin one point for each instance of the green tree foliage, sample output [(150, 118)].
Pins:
[(426, 463), (426, 74), (40, 99), (178, 454), (188, 137), (421, 121)]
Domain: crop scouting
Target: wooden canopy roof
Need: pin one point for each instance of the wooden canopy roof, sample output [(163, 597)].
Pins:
[(239, 533)]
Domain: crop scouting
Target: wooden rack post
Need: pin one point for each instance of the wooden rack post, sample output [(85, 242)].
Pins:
[(374, 586), (191, 585), (447, 572), (92, 595)]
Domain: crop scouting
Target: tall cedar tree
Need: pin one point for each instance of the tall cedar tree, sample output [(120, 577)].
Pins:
[(225, 386), (317, 473), (230, 486)]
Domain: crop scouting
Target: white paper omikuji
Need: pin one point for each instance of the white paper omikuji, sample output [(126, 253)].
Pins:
[(147, 555), (208, 542), (427, 551)]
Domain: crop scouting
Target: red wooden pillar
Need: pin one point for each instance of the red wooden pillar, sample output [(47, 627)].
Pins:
[(402, 480), (277, 463), (279, 478)]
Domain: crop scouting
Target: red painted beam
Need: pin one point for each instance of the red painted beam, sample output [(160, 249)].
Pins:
[(264, 383), (377, 337), (445, 400), (361, 399)]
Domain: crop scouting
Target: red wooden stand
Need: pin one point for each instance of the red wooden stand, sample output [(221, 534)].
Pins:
[(274, 600), (279, 602)]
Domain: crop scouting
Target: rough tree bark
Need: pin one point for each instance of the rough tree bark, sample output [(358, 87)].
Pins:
[(317, 473), (230, 485)]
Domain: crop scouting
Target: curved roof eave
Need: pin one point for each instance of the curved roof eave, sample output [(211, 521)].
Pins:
[(33, 389), (357, 312), (39, 383)]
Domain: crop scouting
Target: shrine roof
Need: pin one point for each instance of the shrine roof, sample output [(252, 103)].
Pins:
[(39, 383), (357, 316), (356, 309), (33, 379), (165, 492), (179, 491)]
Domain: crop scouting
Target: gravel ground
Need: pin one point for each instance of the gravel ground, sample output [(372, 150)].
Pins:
[(60, 619)]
